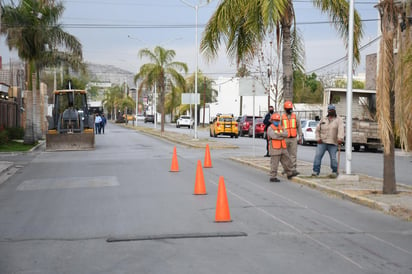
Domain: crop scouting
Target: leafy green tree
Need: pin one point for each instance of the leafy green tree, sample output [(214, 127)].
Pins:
[(356, 84), (112, 101), (307, 88), (93, 92), (173, 100), (204, 86), (243, 24), (158, 72), (31, 28), (77, 82)]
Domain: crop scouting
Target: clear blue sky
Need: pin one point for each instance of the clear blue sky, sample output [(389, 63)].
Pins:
[(112, 32)]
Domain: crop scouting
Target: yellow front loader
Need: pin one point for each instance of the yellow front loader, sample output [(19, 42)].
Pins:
[(71, 127)]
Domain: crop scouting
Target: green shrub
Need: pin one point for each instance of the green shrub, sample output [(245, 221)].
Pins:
[(16, 133), (4, 137)]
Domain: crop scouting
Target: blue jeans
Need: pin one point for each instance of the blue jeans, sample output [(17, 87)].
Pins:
[(97, 126), (320, 151)]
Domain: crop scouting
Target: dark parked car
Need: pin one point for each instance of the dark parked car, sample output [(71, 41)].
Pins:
[(245, 122), (149, 118), (259, 128)]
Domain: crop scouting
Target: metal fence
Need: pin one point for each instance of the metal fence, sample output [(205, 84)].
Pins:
[(9, 116)]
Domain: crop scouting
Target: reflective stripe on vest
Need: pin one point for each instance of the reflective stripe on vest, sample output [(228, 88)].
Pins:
[(290, 125), (278, 144)]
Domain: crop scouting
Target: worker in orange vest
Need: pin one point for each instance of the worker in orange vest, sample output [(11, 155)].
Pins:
[(292, 124), (277, 149)]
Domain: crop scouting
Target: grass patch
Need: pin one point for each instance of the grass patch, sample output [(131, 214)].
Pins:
[(12, 146)]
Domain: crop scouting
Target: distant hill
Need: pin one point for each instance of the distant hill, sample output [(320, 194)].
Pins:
[(98, 73), (109, 73)]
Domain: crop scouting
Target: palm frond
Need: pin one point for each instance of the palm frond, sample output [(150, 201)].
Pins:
[(404, 91), (298, 50), (338, 12), (386, 74)]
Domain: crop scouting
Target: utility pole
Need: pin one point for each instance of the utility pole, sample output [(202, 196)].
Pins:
[(204, 100), (348, 143), (196, 7)]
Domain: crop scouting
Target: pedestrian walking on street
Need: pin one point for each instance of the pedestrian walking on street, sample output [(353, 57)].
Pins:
[(329, 135), (277, 149), (291, 123), (103, 123), (97, 121), (267, 123)]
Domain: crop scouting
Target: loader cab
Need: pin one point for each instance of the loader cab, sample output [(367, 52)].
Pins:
[(75, 100), (71, 127)]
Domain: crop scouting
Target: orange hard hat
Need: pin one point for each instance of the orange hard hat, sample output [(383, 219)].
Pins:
[(275, 117), (288, 105)]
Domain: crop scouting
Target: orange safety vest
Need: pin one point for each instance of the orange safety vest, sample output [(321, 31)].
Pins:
[(278, 144), (290, 125)]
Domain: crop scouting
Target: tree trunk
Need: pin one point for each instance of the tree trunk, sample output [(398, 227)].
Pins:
[(162, 104), (389, 178), (385, 94), (287, 78), (35, 111), (28, 132)]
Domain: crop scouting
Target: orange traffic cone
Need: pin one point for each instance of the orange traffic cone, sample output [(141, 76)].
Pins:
[(175, 164), (200, 188), (222, 207), (208, 161)]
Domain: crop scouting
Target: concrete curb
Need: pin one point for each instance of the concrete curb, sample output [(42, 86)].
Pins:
[(36, 147), (5, 166), (343, 195), (328, 190)]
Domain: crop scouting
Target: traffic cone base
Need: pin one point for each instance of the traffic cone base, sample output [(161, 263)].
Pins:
[(200, 188), (222, 207), (208, 161), (175, 164)]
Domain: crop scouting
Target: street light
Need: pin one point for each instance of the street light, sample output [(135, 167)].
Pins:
[(348, 143), (196, 7)]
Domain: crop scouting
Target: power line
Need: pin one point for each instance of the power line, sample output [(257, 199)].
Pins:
[(345, 57), (169, 26)]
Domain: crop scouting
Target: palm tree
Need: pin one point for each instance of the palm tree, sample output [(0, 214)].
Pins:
[(31, 28), (385, 93), (173, 100), (244, 24), (162, 69), (112, 100), (207, 93)]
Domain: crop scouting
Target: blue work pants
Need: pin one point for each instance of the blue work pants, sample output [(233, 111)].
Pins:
[(320, 151)]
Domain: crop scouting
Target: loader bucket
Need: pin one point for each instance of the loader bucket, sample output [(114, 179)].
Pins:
[(66, 141)]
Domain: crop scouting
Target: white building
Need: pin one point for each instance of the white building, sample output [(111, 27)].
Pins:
[(228, 101)]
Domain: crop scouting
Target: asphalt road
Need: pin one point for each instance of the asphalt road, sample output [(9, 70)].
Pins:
[(363, 162), (58, 212)]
